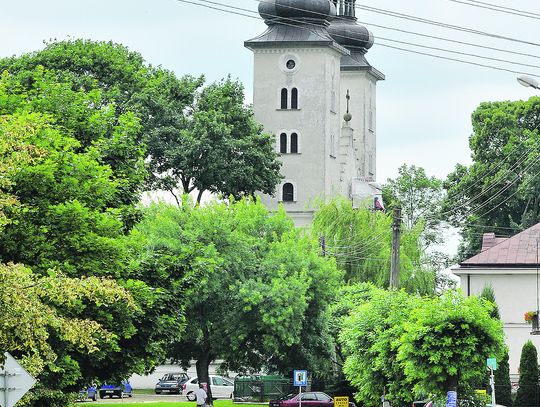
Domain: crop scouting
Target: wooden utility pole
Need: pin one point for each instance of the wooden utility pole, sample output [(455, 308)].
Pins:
[(396, 237)]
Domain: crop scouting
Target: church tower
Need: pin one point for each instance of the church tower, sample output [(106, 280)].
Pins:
[(311, 54)]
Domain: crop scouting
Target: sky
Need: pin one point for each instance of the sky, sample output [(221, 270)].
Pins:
[(423, 106)]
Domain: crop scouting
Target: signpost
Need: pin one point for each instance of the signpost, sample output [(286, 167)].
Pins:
[(300, 379), (15, 382), (492, 366), (451, 399)]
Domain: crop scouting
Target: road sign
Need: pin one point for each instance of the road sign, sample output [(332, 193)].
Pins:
[(14, 382), (300, 377), (492, 363), (341, 401)]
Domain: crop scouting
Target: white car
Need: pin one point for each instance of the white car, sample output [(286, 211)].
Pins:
[(222, 388)]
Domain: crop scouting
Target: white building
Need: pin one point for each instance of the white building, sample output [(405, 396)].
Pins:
[(510, 266), (309, 59)]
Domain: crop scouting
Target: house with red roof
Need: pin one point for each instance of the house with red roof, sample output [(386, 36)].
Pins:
[(510, 265)]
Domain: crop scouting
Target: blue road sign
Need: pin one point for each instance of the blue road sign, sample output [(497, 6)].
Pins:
[(300, 378), (451, 400)]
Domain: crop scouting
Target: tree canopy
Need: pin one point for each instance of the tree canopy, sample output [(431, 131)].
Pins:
[(417, 346), (499, 191), (361, 242), (259, 289)]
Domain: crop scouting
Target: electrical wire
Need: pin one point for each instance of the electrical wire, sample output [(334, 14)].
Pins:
[(500, 9), (200, 3), (443, 25)]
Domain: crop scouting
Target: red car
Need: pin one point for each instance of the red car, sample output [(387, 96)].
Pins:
[(309, 399)]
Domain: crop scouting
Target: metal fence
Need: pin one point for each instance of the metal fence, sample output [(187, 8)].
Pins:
[(260, 388)]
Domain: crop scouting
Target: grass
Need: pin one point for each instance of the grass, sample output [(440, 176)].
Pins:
[(217, 403)]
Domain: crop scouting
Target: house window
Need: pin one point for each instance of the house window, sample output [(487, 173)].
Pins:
[(288, 192), (283, 143), (284, 98), (294, 143), (332, 145), (294, 98)]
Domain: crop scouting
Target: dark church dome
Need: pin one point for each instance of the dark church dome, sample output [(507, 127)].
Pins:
[(296, 10), (348, 33)]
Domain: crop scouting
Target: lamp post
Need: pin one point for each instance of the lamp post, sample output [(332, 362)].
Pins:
[(528, 82)]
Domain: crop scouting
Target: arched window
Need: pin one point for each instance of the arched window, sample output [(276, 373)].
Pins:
[(284, 97), (283, 143), (294, 143), (294, 98), (288, 192)]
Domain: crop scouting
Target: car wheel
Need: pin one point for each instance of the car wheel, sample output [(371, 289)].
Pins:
[(101, 395), (191, 396)]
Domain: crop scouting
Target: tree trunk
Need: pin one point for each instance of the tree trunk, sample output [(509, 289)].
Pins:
[(202, 365)]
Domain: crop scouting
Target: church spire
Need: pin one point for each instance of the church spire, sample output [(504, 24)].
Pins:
[(345, 8)]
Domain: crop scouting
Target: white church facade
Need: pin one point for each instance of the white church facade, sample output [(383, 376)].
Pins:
[(316, 92)]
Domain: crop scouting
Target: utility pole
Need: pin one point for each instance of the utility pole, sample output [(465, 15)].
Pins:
[(322, 242), (396, 237)]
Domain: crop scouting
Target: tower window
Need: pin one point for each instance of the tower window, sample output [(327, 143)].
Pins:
[(294, 98), (284, 98), (288, 192), (294, 143), (283, 143)]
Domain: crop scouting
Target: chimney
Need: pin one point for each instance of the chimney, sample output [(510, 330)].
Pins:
[(488, 241)]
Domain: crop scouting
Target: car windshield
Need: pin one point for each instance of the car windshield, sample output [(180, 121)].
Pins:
[(287, 396)]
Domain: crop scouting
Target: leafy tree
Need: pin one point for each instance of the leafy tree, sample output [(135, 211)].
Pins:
[(419, 197), (416, 346), (499, 191), (527, 394), (447, 342), (68, 211), (361, 242), (258, 291), (503, 386), (370, 338), (39, 319), (218, 147), (197, 138)]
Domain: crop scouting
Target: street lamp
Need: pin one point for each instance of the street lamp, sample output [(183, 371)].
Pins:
[(528, 81)]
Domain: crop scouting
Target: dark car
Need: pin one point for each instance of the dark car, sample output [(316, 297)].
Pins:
[(171, 383), (111, 390), (309, 399)]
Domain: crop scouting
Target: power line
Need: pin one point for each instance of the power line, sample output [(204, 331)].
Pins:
[(496, 8), (200, 3), (443, 25), (501, 8)]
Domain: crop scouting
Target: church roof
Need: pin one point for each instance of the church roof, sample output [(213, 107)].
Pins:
[(517, 251), (286, 35)]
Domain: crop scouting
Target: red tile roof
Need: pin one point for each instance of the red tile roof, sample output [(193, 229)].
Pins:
[(519, 250)]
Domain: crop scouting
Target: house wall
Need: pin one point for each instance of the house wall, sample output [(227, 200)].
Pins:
[(515, 293)]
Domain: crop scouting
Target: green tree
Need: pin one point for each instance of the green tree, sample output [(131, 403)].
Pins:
[(197, 138), (503, 386), (418, 346), (527, 393), (259, 290), (67, 210), (218, 147), (40, 320), (419, 197), (499, 191), (361, 242)]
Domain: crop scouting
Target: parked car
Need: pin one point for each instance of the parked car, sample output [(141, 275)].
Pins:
[(171, 383), (110, 390), (89, 393), (309, 399), (222, 388)]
